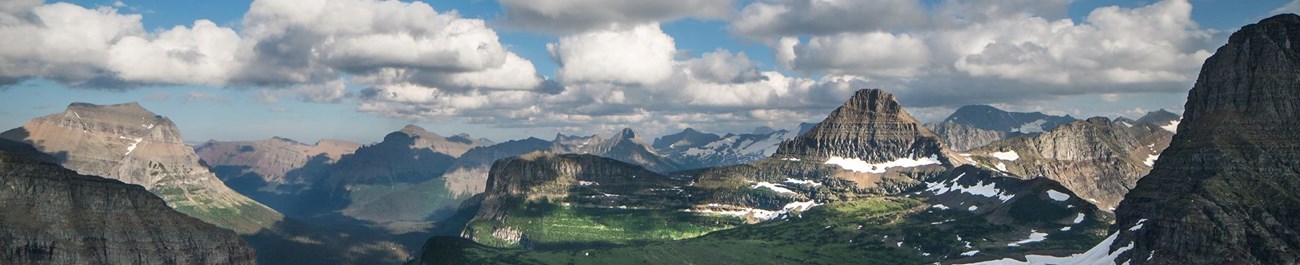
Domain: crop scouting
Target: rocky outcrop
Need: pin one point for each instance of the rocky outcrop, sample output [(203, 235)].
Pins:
[(545, 175), (52, 215), (973, 126), (1227, 190), (129, 143), (1097, 158)]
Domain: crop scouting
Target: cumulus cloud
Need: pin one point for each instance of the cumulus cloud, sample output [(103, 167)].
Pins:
[(281, 43), (1004, 51), (640, 55), (567, 16)]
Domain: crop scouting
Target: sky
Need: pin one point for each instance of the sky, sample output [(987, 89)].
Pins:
[(510, 69)]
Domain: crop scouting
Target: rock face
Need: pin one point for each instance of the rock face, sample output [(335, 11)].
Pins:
[(131, 144), (544, 175), (52, 215), (730, 149), (1097, 158), (973, 126), (626, 146), (1226, 190)]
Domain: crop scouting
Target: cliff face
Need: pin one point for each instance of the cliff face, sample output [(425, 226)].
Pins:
[(1227, 190), (131, 144), (542, 175), (51, 215), (1097, 158)]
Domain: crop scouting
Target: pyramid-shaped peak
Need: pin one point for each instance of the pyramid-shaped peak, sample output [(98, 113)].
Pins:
[(871, 126)]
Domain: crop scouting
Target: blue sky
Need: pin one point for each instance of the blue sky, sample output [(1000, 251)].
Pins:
[(235, 112)]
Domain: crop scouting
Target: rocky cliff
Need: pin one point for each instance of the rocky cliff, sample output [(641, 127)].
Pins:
[(1097, 158), (52, 215), (973, 126), (129, 143), (1227, 190)]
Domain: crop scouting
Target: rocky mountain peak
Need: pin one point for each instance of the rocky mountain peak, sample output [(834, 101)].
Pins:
[(871, 126), (1224, 192)]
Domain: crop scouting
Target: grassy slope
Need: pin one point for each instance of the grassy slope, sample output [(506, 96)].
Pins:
[(551, 226), (866, 231)]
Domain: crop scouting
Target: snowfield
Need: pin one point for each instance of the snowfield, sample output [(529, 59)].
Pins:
[(857, 165)]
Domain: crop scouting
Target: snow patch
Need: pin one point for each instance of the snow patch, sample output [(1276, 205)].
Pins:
[(973, 208), (1034, 236), (980, 189), (1151, 160), (791, 159), (772, 187), (131, 148), (1001, 167), (1058, 196), (970, 253), (1126, 124), (1007, 156), (858, 165), (1139, 225), (1172, 126), (587, 183), (1031, 127), (803, 182), (1067, 228), (939, 206), (1098, 255), (1079, 219)]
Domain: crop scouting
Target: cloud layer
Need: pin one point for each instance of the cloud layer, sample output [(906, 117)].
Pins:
[(618, 67)]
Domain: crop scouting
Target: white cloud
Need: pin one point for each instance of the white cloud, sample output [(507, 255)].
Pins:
[(60, 41), (282, 43), (567, 16), (775, 18), (300, 42), (202, 54), (722, 66), (637, 55), (867, 54), (328, 92), (977, 51)]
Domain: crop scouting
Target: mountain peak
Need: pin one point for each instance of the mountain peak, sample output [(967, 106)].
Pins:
[(871, 126)]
